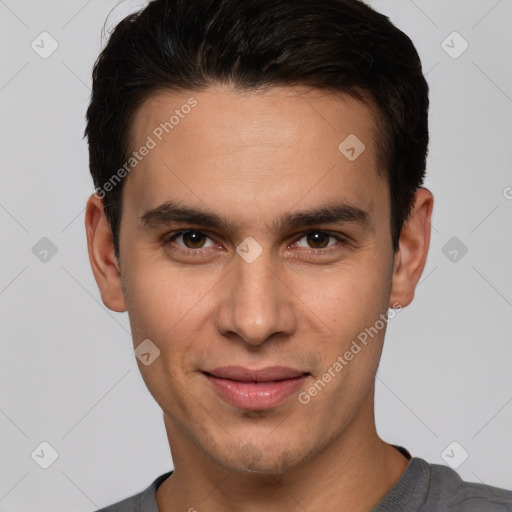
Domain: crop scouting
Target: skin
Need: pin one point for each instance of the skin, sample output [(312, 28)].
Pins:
[(252, 158)]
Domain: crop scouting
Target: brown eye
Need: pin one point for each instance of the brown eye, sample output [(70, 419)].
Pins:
[(320, 243), (318, 239), (193, 239), (190, 239)]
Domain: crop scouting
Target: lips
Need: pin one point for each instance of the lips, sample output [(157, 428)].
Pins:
[(256, 389)]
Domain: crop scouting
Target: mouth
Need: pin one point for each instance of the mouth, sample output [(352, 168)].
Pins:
[(256, 389)]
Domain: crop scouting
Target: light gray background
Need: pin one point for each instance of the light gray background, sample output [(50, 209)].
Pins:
[(68, 373)]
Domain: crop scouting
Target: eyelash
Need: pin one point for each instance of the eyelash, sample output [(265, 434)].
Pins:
[(170, 237)]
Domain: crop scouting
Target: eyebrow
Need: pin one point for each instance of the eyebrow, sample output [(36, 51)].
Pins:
[(173, 212)]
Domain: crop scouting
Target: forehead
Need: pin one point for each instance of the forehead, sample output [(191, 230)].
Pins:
[(220, 143)]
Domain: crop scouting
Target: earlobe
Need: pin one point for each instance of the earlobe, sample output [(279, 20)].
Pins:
[(412, 252), (102, 257)]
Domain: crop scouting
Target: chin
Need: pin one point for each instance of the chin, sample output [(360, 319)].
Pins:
[(260, 459)]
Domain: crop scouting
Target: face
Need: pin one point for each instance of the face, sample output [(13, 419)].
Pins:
[(248, 238)]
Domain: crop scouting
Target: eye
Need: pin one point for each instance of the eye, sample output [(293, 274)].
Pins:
[(190, 239), (319, 242)]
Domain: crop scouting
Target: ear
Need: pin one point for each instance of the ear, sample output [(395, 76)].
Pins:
[(104, 263), (412, 251)]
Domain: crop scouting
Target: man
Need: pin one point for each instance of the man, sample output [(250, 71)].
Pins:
[(258, 210)]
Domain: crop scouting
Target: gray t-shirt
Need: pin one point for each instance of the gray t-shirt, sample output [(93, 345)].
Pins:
[(423, 487)]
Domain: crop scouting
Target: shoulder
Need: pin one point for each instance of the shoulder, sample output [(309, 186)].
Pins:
[(426, 487), (144, 501), (450, 492), (131, 504)]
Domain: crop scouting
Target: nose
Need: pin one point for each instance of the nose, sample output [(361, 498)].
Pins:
[(257, 303)]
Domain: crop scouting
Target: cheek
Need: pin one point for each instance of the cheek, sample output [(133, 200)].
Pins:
[(169, 307), (347, 300), (166, 315), (164, 299)]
